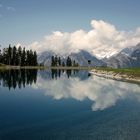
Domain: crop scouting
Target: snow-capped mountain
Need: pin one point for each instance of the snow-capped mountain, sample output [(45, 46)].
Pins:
[(127, 58), (45, 58), (80, 57)]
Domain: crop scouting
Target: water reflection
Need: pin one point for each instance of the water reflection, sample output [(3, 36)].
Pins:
[(57, 73), (72, 84), (17, 78), (104, 93)]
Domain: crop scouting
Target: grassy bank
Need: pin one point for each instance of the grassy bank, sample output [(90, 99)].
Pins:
[(128, 71)]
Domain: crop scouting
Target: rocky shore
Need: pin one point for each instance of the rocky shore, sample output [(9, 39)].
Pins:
[(116, 76)]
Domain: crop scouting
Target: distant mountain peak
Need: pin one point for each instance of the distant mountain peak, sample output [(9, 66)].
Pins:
[(81, 57), (128, 57)]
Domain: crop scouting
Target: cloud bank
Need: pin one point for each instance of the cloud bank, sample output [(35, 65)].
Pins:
[(103, 40)]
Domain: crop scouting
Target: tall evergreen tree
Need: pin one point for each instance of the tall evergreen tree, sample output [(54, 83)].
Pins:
[(52, 61), (14, 53), (59, 61), (9, 55), (23, 57), (31, 58), (28, 58), (55, 60), (74, 63), (69, 62), (19, 55), (5, 58), (35, 59)]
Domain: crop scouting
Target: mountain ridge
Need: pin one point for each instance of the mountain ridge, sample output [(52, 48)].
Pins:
[(127, 58), (80, 57)]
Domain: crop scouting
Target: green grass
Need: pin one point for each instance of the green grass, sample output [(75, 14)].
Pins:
[(129, 71)]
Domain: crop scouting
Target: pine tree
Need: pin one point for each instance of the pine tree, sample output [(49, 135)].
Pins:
[(28, 58), (59, 61), (74, 63), (14, 53), (31, 58), (55, 61), (23, 57), (18, 57), (9, 55), (52, 61), (35, 59), (5, 58), (69, 62), (19, 54)]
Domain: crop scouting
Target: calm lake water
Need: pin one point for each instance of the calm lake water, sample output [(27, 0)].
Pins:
[(67, 105)]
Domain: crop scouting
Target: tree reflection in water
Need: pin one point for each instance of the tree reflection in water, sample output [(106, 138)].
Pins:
[(55, 73), (18, 78)]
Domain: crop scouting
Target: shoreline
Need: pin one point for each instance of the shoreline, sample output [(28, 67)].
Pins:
[(46, 67), (116, 76), (126, 75)]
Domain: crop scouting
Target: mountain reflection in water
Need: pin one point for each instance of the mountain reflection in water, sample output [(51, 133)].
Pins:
[(104, 93), (67, 104), (73, 84)]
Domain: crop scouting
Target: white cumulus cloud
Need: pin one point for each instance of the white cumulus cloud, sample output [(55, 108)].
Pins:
[(103, 40)]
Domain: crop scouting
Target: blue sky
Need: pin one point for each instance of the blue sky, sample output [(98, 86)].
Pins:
[(25, 21)]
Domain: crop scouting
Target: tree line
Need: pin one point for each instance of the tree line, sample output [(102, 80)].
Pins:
[(58, 61), (18, 56)]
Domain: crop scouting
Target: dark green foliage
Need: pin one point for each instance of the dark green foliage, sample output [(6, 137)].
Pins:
[(57, 61), (9, 55), (35, 59), (18, 56), (69, 62), (52, 61), (23, 57)]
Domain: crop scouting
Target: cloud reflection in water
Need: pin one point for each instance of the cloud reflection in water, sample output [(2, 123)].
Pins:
[(103, 92)]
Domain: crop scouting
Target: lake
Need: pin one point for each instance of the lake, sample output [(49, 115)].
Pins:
[(67, 105)]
